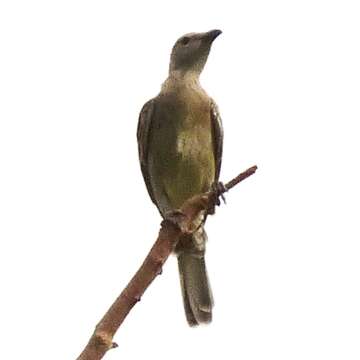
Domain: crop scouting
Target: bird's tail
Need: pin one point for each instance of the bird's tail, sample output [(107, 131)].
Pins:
[(197, 296)]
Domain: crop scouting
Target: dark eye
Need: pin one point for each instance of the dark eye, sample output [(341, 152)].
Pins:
[(185, 40)]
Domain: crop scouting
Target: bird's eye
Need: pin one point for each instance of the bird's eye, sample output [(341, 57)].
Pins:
[(185, 40)]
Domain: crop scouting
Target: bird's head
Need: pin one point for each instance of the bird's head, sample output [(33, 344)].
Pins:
[(191, 51)]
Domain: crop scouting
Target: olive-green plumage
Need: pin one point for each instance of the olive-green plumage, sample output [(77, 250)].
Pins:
[(180, 149)]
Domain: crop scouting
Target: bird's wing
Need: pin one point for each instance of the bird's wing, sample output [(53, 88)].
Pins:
[(144, 127), (218, 135)]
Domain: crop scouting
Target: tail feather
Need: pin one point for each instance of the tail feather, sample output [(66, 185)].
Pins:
[(197, 296), (190, 317)]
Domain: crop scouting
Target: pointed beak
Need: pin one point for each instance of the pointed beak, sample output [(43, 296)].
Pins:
[(212, 34)]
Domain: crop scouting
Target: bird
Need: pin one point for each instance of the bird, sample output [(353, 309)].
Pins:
[(180, 144)]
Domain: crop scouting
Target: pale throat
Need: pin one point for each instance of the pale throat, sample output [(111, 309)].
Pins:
[(179, 81), (181, 75)]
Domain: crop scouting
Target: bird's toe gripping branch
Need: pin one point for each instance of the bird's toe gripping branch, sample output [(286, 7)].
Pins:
[(176, 218), (217, 189)]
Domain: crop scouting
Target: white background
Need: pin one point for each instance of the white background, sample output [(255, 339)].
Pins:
[(76, 220)]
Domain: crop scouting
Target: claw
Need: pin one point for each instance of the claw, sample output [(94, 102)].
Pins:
[(222, 189), (219, 189)]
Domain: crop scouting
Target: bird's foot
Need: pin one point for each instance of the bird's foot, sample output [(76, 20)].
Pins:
[(218, 188), (175, 217)]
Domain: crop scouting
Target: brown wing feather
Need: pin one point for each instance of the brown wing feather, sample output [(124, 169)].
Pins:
[(143, 131), (218, 136)]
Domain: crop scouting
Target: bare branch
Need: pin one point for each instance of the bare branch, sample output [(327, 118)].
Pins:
[(171, 230)]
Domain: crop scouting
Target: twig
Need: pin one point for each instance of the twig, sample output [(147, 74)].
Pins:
[(171, 230)]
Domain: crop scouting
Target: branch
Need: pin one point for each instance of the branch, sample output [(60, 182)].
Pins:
[(171, 230)]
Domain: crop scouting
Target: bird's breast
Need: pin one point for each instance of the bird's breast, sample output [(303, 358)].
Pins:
[(185, 162)]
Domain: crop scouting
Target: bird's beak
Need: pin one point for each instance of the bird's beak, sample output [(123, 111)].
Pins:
[(212, 34)]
